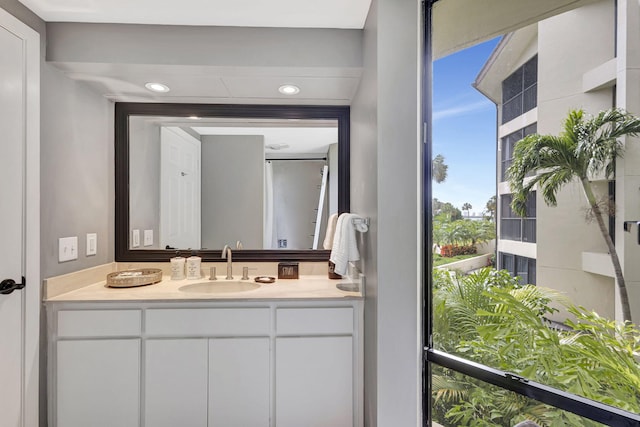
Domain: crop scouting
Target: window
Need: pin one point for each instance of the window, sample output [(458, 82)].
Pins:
[(514, 227), (520, 91), (519, 266), (484, 327), (507, 145)]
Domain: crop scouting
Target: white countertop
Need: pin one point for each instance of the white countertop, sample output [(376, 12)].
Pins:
[(304, 288)]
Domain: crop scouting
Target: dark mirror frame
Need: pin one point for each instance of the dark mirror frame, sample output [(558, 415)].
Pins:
[(125, 109)]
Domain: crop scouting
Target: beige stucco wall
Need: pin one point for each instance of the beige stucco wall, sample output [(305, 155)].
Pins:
[(568, 48), (628, 171)]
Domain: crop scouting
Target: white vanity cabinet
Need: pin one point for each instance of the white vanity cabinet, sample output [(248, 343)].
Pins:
[(205, 364), (219, 380), (97, 368), (315, 367)]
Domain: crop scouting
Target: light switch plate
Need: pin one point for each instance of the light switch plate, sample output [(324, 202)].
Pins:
[(92, 244), (148, 237), (67, 248), (135, 239)]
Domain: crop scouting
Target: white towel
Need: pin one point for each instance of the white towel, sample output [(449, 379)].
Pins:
[(331, 231), (345, 248)]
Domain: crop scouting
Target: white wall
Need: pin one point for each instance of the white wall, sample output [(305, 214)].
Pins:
[(364, 201), (385, 152)]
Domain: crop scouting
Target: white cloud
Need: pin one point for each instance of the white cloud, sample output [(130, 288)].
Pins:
[(462, 109)]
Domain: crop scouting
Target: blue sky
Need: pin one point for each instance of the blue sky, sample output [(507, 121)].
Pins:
[(464, 129)]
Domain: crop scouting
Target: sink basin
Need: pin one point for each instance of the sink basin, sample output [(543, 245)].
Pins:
[(349, 287), (219, 287)]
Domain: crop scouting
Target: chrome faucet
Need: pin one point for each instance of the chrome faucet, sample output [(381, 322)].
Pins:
[(226, 253)]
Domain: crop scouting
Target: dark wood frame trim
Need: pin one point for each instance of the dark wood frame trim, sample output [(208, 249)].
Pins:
[(124, 109)]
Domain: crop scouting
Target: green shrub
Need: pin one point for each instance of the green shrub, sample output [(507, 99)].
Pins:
[(488, 317)]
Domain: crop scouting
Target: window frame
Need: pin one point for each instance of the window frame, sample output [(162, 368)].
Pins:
[(562, 400)]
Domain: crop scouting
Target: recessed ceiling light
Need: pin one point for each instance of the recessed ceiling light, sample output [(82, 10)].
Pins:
[(157, 87), (289, 89)]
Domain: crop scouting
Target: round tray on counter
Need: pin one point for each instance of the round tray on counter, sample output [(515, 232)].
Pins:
[(132, 278)]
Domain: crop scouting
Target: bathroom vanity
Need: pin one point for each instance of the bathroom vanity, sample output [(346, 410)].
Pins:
[(284, 354)]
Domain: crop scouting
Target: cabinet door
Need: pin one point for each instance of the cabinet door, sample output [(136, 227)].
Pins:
[(175, 382), (98, 383), (239, 382), (314, 381)]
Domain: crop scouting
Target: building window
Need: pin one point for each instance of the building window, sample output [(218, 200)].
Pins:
[(612, 218), (519, 266), (507, 145), (515, 227), (520, 91)]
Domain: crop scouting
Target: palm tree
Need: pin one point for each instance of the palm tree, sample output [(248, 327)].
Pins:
[(491, 208), (439, 169), (588, 146), (467, 207)]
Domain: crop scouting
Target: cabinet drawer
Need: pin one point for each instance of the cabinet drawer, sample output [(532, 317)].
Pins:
[(99, 323), (310, 321), (208, 322)]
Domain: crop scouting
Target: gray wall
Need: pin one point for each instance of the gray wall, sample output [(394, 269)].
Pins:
[(144, 175), (296, 189), (232, 186), (385, 152), (76, 193), (77, 171)]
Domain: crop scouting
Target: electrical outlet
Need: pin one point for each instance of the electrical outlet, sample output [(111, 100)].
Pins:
[(148, 237), (92, 244), (135, 239), (67, 249)]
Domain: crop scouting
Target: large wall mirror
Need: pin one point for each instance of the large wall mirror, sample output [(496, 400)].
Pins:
[(262, 179)]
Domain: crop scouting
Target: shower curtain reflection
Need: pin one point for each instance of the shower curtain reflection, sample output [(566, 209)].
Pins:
[(269, 223)]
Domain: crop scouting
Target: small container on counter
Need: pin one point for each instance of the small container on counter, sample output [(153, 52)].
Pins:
[(287, 270), (332, 271), (177, 267), (193, 267)]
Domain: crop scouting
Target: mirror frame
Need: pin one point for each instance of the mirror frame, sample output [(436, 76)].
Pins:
[(125, 109)]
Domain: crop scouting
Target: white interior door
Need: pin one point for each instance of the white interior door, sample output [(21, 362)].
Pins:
[(180, 196), (19, 222)]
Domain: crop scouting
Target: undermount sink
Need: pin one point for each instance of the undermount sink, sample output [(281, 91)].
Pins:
[(219, 287)]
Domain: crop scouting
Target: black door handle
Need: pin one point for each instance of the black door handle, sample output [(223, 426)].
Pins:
[(9, 285)]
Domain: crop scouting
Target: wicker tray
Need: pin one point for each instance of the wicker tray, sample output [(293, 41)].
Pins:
[(132, 278)]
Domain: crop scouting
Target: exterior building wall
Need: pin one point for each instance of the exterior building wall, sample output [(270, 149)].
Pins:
[(569, 46), (628, 171)]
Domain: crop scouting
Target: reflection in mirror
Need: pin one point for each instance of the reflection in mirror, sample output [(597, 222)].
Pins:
[(201, 183), (260, 178)]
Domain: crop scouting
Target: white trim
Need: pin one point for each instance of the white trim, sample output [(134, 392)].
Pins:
[(31, 214)]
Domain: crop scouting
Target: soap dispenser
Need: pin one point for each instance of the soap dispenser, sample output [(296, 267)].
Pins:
[(177, 267), (193, 266)]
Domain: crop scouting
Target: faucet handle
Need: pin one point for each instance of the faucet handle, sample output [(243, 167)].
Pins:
[(212, 274), (245, 272)]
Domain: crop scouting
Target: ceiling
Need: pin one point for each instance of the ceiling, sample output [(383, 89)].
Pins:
[(237, 13), (215, 51), (283, 138)]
